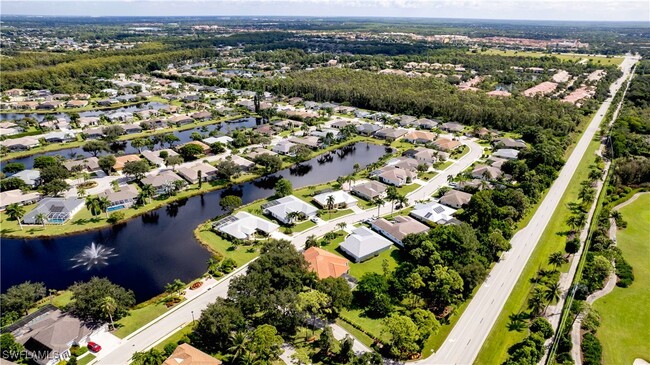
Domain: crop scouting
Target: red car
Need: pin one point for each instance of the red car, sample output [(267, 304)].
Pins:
[(94, 347)]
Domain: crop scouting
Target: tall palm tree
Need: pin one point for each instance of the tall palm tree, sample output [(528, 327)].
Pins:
[(356, 168), (92, 204), (341, 225), (576, 221), (238, 348), (536, 302), (41, 218), (149, 191), (104, 203), (517, 322), (109, 306), (330, 204), (16, 212), (557, 259), (292, 216), (380, 202), (553, 293)]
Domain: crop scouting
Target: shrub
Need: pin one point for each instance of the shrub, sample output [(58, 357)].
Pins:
[(591, 349), (115, 217), (542, 326), (228, 265), (591, 321), (572, 246), (169, 348)]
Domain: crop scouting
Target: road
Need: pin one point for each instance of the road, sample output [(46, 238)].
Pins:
[(172, 321), (468, 335)]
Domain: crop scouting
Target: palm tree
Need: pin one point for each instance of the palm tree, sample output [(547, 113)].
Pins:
[(341, 225), (104, 203), (536, 302), (380, 202), (517, 322), (402, 200), (576, 221), (92, 204), (239, 347), (557, 259), (357, 167), (149, 191), (81, 192), (41, 218), (109, 306), (200, 175), (292, 216), (16, 212), (330, 204), (553, 293)]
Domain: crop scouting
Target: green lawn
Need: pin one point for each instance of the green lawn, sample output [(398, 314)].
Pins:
[(86, 359), (62, 299), (428, 175), (365, 339), (139, 317), (442, 166), (369, 325), (241, 254), (625, 317), (375, 264), (175, 337), (302, 226), (494, 350), (335, 214), (404, 190), (565, 57)]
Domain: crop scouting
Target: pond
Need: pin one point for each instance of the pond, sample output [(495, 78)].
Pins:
[(156, 248), (125, 146)]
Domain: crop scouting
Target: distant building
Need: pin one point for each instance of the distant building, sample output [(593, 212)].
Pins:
[(433, 213), (191, 173), (280, 208)]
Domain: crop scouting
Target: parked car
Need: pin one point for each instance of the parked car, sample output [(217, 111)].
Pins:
[(94, 347)]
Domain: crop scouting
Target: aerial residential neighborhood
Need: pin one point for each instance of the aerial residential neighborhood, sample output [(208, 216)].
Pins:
[(281, 182)]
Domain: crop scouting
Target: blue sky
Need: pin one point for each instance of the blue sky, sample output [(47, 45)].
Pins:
[(608, 10)]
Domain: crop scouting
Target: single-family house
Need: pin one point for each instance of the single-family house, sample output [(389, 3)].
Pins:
[(395, 176), (425, 123), (154, 156), (288, 124), (452, 127), (368, 129), (283, 147), (224, 140), (399, 228), (202, 115), (433, 212), (191, 173), (455, 199), (420, 137), (30, 177), (90, 165), (204, 147), (445, 144), (312, 142), (370, 190), (260, 151), (120, 116), (124, 198), (341, 199), (404, 162), (507, 153), (163, 182), (423, 155), (21, 143), (180, 119), (56, 210), (185, 354), (244, 226), (120, 161), (243, 163), (131, 128), (17, 197), (281, 208), (76, 103), (341, 123), (60, 136), (87, 121), (326, 264), (407, 121), (94, 132), (486, 172), (49, 336), (363, 244), (390, 134), (506, 142), (49, 105)]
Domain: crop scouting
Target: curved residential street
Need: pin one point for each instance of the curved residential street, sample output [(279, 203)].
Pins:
[(172, 321)]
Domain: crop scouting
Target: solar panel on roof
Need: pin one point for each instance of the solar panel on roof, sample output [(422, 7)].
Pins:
[(438, 209), (56, 209)]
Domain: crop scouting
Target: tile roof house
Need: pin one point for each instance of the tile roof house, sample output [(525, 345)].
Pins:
[(204, 147), (341, 199), (508, 143), (390, 134), (191, 173), (260, 151), (326, 264), (185, 354), (224, 140), (445, 144), (425, 123), (423, 155), (399, 228), (244, 225), (124, 198), (419, 137), (283, 147), (507, 153), (163, 182), (21, 143), (455, 198), (120, 161), (369, 190), (309, 141), (404, 162), (57, 210), (180, 119), (30, 177), (396, 176), (452, 127), (280, 208), (90, 164), (17, 197), (433, 212), (363, 244), (483, 171), (368, 129), (154, 156), (49, 336)]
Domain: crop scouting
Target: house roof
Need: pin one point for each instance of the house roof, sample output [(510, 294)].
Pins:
[(452, 126), (55, 207), (394, 173), (244, 224), (54, 331), (192, 172), (364, 242), (446, 144), (154, 156), (121, 160), (433, 212), (16, 196), (340, 197), (127, 192), (188, 355), (280, 207), (91, 163), (165, 177), (509, 142), (420, 135), (400, 227), (507, 153), (223, 139), (370, 188), (391, 132), (30, 177), (326, 264), (456, 197), (479, 170)]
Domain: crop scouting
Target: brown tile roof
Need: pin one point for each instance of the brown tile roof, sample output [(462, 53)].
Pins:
[(325, 264), (188, 355), (121, 160)]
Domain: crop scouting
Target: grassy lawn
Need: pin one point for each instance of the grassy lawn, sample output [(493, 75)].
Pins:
[(335, 214), (625, 317), (565, 57), (175, 337), (365, 339), (62, 298), (494, 350), (215, 243), (428, 175), (139, 317), (375, 264), (86, 359), (404, 190), (443, 165), (302, 226), (370, 325)]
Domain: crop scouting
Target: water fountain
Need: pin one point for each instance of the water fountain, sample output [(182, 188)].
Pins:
[(93, 255)]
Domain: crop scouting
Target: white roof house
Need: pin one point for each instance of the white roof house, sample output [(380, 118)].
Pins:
[(283, 147), (363, 244), (341, 199), (507, 153), (223, 140), (279, 208), (433, 213), (18, 197), (30, 177), (243, 225), (154, 156)]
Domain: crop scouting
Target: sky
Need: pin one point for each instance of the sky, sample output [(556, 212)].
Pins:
[(600, 10)]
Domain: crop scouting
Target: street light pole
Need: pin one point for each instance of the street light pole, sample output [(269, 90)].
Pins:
[(192, 317)]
